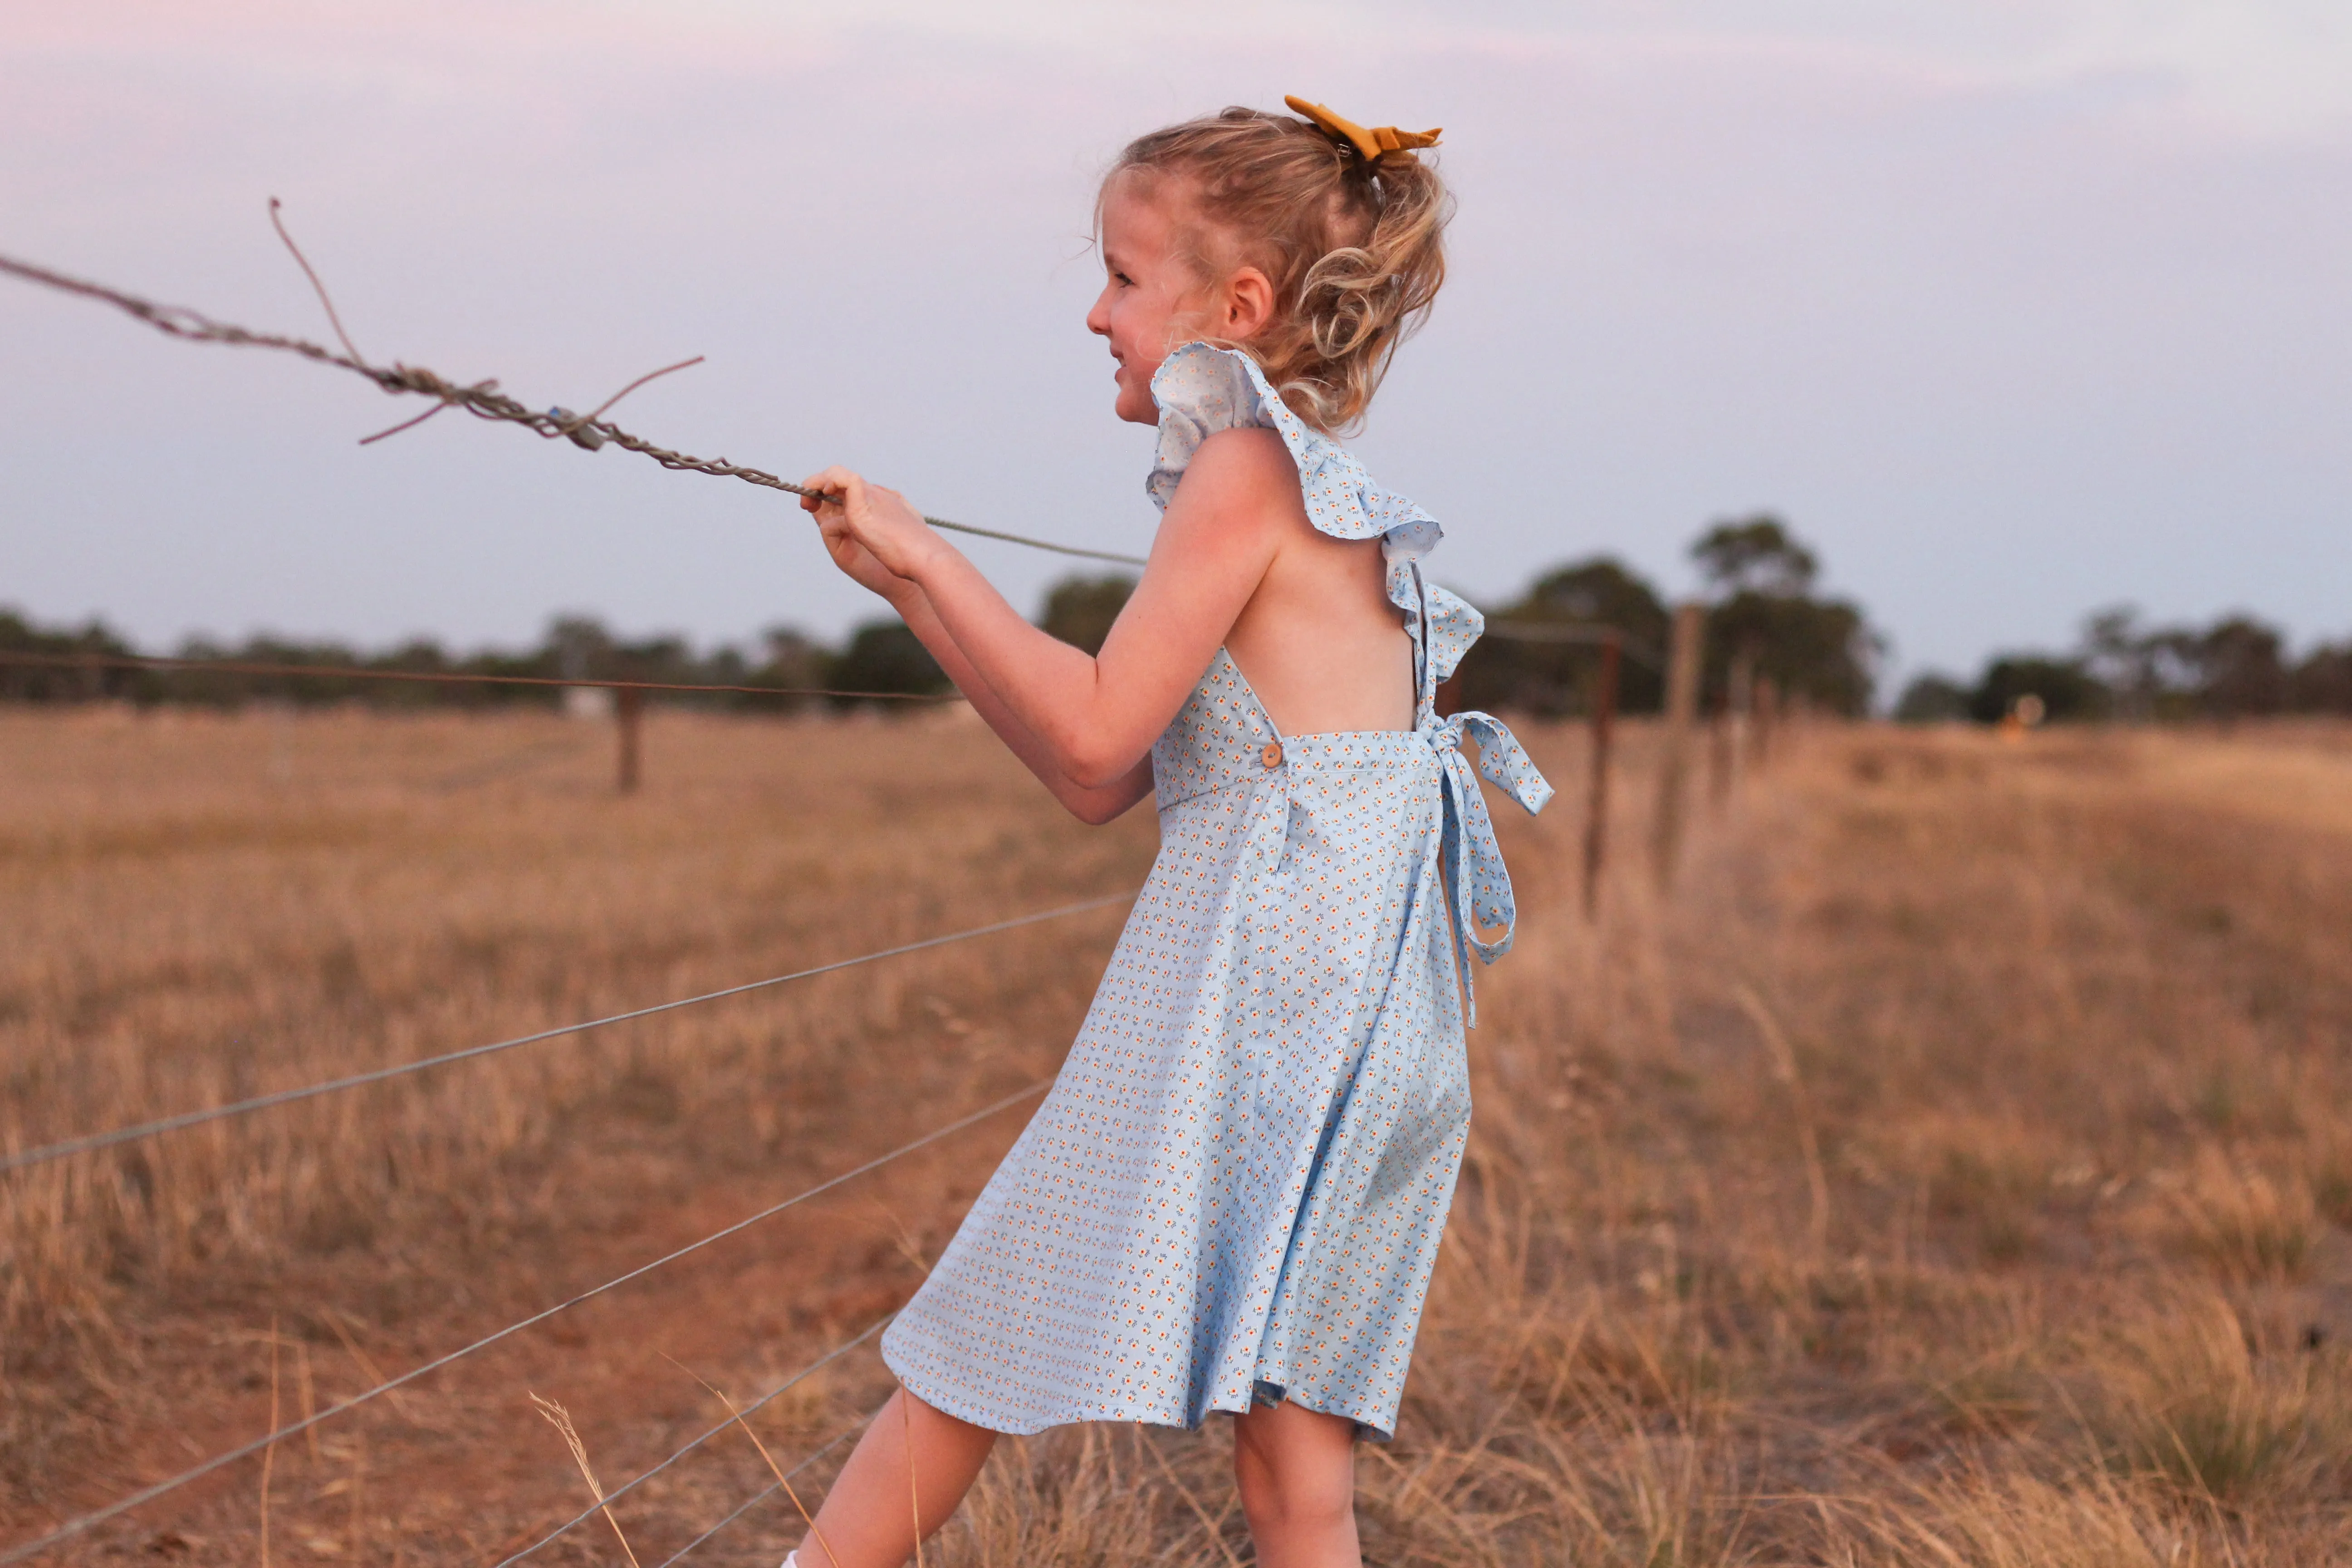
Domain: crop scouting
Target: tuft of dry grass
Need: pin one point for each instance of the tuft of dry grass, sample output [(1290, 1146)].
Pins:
[(561, 1419), (2249, 1228), (1955, 1170)]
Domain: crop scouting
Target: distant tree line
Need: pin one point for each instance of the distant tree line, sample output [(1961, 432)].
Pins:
[(1762, 602), (2237, 668), (881, 655)]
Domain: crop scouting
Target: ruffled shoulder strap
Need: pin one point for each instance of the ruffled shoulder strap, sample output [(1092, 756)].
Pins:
[(1202, 389)]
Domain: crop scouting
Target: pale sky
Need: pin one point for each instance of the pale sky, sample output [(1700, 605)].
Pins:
[(2013, 310)]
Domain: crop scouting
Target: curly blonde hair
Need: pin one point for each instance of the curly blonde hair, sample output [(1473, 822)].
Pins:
[(1354, 247)]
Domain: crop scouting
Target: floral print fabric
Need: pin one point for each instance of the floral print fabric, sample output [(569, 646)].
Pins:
[(1236, 1190)]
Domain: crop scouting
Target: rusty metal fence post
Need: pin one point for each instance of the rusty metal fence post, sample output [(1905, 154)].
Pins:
[(1673, 760)]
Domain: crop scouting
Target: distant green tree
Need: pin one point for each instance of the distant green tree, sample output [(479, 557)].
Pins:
[(1819, 649), (2322, 683), (794, 659), (2116, 652), (575, 648), (2236, 667), (1080, 610), (1756, 555), (1553, 679), (230, 689), (1932, 698), (2242, 670), (2068, 690), (1762, 576), (884, 656), (58, 683)]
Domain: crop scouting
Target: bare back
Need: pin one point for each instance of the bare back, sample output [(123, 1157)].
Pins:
[(1320, 641)]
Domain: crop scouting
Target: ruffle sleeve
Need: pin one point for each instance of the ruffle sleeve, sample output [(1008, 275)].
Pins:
[(1202, 389)]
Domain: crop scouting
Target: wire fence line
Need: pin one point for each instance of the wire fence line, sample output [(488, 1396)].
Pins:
[(433, 677), (43, 1154), (482, 399), (626, 1487), (85, 1523), (1584, 633), (763, 1494), (589, 432)]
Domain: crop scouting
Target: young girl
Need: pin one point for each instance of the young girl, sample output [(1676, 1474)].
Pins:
[(1232, 1198)]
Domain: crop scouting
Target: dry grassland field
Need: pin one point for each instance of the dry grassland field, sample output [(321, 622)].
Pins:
[(1957, 1170)]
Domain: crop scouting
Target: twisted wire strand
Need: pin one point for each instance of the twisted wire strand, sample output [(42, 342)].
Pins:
[(626, 1487), (85, 1523), (482, 399), (448, 678), (45, 1153)]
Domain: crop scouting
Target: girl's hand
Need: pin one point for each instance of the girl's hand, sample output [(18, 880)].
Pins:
[(870, 531), (853, 559)]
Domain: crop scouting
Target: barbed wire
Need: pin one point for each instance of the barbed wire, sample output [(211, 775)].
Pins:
[(482, 399), (86, 1523), (591, 432), (454, 678), (91, 1143)]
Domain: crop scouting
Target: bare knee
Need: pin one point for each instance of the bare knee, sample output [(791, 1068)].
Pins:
[(1295, 1471), (1275, 1502)]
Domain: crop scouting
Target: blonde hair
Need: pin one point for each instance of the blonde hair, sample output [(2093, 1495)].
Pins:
[(1354, 247)]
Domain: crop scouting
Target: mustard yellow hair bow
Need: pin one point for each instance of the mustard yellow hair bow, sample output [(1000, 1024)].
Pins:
[(1375, 143)]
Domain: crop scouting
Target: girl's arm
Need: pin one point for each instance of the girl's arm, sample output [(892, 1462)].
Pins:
[(1096, 805), (1095, 718)]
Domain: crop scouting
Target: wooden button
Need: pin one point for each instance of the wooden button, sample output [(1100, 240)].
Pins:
[(1272, 755)]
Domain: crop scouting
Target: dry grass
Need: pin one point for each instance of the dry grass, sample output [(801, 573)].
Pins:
[(1956, 1172)]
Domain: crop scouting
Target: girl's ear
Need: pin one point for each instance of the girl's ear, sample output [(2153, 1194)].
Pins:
[(1248, 305)]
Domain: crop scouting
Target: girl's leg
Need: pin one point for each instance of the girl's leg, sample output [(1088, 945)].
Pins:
[(911, 1452), (1297, 1472)]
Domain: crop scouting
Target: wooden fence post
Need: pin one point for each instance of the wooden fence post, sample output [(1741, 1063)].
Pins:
[(629, 709), (1732, 725), (1596, 816), (1674, 762), (1722, 764)]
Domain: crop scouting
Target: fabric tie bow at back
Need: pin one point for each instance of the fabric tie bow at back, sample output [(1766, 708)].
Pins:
[(1479, 886), (1374, 144)]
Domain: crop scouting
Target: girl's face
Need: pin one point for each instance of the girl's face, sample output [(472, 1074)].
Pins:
[(1153, 300)]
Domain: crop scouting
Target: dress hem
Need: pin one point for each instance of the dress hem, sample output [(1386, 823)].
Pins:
[(989, 1422)]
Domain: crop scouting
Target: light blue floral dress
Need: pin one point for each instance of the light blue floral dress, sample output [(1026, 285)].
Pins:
[(1236, 1189)]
